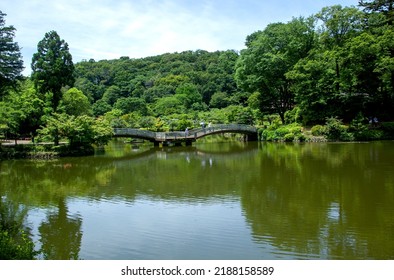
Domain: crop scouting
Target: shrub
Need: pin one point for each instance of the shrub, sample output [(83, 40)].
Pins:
[(286, 133), (301, 137), (369, 134), (268, 135), (282, 131), (293, 116), (14, 243), (387, 130), (13, 249), (335, 130), (318, 130), (289, 137)]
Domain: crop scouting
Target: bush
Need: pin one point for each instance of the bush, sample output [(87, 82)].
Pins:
[(369, 134), (13, 249), (387, 130), (335, 130), (268, 135), (287, 133), (289, 137), (301, 138), (14, 243), (318, 130), (293, 116)]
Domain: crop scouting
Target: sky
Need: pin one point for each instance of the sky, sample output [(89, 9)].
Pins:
[(109, 29)]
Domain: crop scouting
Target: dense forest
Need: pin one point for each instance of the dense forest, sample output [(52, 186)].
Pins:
[(334, 67)]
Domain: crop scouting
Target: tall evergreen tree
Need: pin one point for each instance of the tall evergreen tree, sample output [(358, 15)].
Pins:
[(52, 67), (11, 63), (381, 6)]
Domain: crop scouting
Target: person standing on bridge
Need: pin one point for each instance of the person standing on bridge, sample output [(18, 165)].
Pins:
[(203, 126), (186, 132)]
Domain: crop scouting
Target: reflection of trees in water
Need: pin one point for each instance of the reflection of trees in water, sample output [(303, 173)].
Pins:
[(323, 203), (313, 200), (61, 234)]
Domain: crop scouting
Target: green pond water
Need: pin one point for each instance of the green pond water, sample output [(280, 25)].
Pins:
[(227, 200)]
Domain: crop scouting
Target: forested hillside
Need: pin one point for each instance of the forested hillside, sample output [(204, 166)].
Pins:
[(160, 85)]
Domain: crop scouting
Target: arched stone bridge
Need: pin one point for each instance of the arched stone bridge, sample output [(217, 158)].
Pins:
[(178, 137)]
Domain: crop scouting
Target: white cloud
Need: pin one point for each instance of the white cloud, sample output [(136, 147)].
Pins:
[(105, 29)]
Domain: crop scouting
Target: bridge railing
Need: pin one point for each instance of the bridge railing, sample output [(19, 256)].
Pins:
[(197, 132), (174, 135), (145, 134)]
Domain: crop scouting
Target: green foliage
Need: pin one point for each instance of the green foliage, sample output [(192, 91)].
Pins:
[(219, 100), (388, 129), (384, 7), (52, 66), (336, 131), (337, 62), (168, 105), (13, 249), (284, 133), (131, 104), (271, 53), (289, 137), (101, 132), (157, 77), (14, 242), (11, 64), (75, 103), (111, 95), (100, 108), (114, 118), (148, 122), (78, 130), (188, 94), (21, 110), (293, 115), (318, 130), (184, 123)]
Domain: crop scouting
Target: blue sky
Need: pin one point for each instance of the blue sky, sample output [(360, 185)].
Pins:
[(107, 29)]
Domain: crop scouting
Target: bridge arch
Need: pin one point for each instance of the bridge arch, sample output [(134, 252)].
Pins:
[(186, 137)]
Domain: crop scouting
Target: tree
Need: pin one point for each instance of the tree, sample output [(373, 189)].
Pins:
[(101, 107), (167, 106), (75, 103), (269, 56), (349, 70), (339, 25), (52, 67), (112, 94), (131, 104), (386, 7), (21, 110), (188, 94), (81, 131), (219, 100), (11, 63)]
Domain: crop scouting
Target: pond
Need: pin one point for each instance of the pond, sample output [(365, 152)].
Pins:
[(228, 200)]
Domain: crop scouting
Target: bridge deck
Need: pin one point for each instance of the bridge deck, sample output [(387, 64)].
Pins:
[(183, 136)]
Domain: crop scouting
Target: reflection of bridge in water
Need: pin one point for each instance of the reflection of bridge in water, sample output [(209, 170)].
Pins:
[(187, 137)]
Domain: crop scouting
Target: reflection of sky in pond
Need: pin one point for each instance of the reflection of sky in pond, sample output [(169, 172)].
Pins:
[(333, 212), (161, 229)]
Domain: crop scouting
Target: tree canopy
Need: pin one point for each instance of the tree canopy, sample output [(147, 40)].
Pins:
[(11, 63), (52, 66)]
